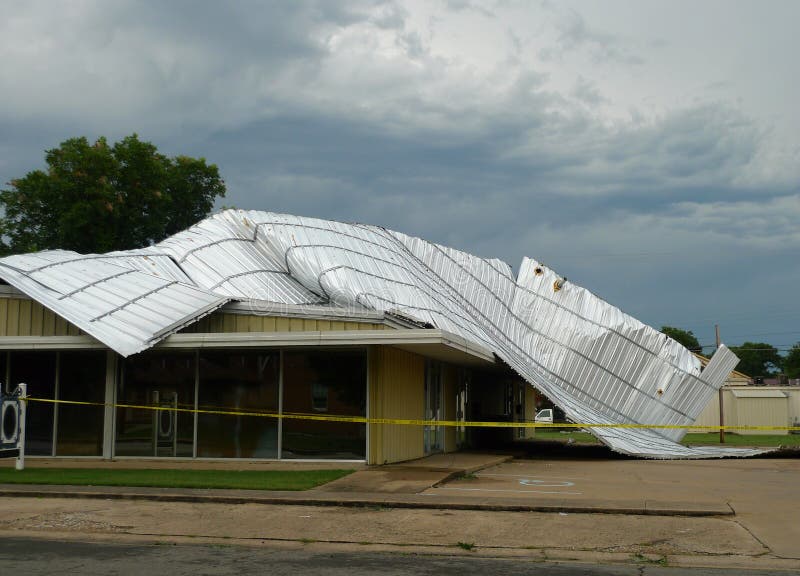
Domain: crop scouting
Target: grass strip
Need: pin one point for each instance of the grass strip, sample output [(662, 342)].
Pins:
[(766, 440), (241, 479), (691, 438)]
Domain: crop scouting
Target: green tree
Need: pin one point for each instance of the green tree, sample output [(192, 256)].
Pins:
[(684, 337), (791, 364), (98, 198), (758, 359)]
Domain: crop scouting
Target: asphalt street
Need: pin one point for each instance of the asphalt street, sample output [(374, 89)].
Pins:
[(23, 557)]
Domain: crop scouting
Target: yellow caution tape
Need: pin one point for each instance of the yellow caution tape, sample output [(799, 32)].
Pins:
[(403, 421)]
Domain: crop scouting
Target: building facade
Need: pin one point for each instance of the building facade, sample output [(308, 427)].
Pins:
[(241, 384)]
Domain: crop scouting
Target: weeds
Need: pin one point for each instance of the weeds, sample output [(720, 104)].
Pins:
[(639, 557)]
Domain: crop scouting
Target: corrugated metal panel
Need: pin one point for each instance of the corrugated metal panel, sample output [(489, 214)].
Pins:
[(600, 365), (227, 256), (762, 411), (759, 394), (126, 309), (397, 383), (710, 414), (794, 407)]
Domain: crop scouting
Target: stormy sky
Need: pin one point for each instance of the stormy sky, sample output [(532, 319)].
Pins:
[(649, 151)]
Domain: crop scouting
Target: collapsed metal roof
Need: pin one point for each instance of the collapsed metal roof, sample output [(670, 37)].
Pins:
[(598, 364)]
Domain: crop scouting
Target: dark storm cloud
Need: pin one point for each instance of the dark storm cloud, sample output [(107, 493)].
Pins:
[(347, 111)]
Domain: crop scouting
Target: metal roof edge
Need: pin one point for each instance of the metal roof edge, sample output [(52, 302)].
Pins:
[(327, 338), (759, 393), (165, 332), (429, 336), (310, 311), (83, 342)]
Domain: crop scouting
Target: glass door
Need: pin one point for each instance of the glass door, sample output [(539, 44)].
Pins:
[(520, 408), (462, 406), (433, 436)]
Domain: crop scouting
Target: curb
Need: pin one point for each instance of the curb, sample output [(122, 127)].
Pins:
[(470, 470), (362, 502)]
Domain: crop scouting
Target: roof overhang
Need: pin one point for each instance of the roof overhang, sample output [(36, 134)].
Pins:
[(431, 343)]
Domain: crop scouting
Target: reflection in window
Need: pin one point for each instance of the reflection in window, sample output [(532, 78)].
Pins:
[(240, 381), (319, 397), (82, 378), (38, 371), (163, 380), (5, 387), (335, 380)]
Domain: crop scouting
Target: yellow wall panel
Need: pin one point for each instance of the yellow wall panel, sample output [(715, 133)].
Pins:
[(3, 316), (48, 322), (12, 322), (397, 384), (26, 317), (762, 412), (37, 315), (228, 322), (241, 323)]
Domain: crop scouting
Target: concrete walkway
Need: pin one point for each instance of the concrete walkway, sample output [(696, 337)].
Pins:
[(752, 504), (407, 485)]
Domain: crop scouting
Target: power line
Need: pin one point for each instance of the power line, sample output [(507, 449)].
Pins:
[(781, 348)]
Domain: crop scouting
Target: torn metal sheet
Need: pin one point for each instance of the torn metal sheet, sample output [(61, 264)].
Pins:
[(598, 364), (111, 298)]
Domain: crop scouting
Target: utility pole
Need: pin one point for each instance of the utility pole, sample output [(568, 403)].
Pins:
[(721, 408)]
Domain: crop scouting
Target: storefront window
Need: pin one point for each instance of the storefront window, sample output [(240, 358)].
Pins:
[(329, 381), (242, 382), (5, 387), (38, 371), (82, 378), (165, 382)]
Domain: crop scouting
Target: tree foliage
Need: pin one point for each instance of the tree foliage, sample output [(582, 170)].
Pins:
[(791, 364), (758, 359), (98, 198), (684, 337)]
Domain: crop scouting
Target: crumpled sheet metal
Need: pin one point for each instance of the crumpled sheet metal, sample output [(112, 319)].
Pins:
[(598, 364), (128, 301)]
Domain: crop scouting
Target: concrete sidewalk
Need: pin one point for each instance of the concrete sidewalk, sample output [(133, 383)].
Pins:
[(407, 485), (672, 508)]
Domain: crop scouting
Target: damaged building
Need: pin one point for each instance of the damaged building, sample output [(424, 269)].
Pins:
[(262, 335)]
